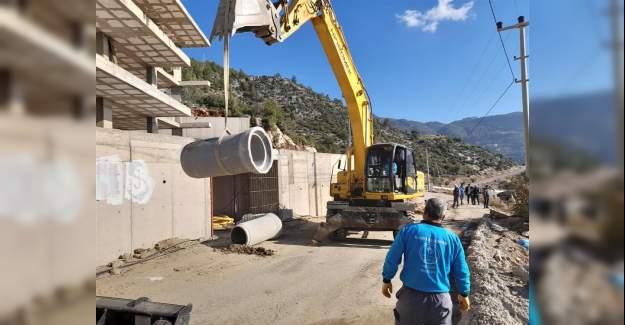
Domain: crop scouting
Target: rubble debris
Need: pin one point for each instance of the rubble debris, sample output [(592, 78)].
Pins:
[(126, 257), (522, 273), (249, 250), (499, 276), (496, 227), (142, 253), (499, 214)]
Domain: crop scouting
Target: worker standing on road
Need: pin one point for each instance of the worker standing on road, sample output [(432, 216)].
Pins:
[(431, 254), (456, 194), (461, 191), (476, 194), (486, 194)]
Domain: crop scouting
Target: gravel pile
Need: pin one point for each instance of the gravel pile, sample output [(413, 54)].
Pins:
[(499, 275)]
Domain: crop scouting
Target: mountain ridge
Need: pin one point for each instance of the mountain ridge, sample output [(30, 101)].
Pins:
[(501, 133), (313, 119)]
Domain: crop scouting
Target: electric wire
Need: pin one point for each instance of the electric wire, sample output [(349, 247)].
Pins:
[(492, 107), (503, 44), (456, 106)]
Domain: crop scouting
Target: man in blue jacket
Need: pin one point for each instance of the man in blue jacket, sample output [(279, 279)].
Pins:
[(431, 254)]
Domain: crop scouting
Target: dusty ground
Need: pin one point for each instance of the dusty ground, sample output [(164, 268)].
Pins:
[(336, 283)]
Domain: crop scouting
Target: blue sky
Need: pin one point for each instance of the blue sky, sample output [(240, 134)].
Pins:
[(438, 66)]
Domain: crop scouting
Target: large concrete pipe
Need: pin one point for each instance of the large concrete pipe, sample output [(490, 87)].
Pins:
[(257, 230), (247, 152)]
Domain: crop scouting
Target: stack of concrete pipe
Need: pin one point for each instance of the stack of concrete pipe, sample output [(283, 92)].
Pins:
[(247, 152)]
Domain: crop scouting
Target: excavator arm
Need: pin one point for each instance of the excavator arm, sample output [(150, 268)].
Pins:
[(275, 22), (374, 190), (353, 89)]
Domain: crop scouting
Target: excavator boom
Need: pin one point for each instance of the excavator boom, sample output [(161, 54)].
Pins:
[(372, 192), (276, 22)]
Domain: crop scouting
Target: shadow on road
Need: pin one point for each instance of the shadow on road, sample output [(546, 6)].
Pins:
[(360, 242)]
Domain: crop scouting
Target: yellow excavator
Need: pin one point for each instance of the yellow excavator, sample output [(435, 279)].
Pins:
[(375, 189)]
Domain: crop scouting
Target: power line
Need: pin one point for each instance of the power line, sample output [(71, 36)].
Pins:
[(471, 74), (476, 84), (503, 45), (492, 107), (487, 89)]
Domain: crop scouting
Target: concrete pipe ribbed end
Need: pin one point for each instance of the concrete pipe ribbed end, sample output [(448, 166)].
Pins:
[(260, 151), (247, 152)]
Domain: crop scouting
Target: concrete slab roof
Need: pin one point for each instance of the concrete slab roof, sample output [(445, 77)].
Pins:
[(38, 55), (175, 21), (138, 39), (132, 98)]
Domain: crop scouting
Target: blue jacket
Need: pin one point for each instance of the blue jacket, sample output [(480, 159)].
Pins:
[(431, 254)]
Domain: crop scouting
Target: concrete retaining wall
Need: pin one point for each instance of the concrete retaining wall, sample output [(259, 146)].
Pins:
[(46, 210), (304, 180), (142, 194)]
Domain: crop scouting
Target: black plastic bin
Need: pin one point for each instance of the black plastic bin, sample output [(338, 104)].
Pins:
[(142, 311)]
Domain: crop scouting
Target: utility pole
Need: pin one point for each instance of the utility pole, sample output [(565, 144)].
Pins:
[(617, 62), (427, 165), (521, 25)]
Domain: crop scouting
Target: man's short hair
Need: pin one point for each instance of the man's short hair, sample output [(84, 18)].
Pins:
[(435, 209)]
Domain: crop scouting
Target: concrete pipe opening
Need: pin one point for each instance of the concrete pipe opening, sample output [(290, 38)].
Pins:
[(246, 152), (238, 236)]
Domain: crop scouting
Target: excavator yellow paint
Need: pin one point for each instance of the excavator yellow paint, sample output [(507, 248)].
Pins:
[(350, 192)]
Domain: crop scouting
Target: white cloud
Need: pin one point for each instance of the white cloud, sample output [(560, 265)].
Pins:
[(429, 21)]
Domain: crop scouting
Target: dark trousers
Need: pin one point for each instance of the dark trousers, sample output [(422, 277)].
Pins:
[(486, 202), (422, 308), (455, 205)]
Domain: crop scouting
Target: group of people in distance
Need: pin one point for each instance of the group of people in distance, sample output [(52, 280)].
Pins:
[(472, 194)]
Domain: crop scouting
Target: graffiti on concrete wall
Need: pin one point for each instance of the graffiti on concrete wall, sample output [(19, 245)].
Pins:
[(109, 180), (33, 189), (113, 185), (139, 184)]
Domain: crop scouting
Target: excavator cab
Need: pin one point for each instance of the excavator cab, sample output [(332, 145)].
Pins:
[(390, 169)]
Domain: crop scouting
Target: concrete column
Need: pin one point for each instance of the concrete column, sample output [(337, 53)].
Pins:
[(11, 93), (177, 73), (151, 76), (104, 113), (152, 124), (176, 132)]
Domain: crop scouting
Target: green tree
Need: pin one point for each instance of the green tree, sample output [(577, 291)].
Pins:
[(272, 114)]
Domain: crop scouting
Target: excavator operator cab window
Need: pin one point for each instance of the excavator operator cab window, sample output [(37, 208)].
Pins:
[(380, 169)]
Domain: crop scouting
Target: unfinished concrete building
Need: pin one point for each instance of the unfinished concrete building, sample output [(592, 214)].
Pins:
[(47, 79), (142, 194), (139, 63)]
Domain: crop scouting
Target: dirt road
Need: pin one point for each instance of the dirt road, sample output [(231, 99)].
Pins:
[(336, 283)]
